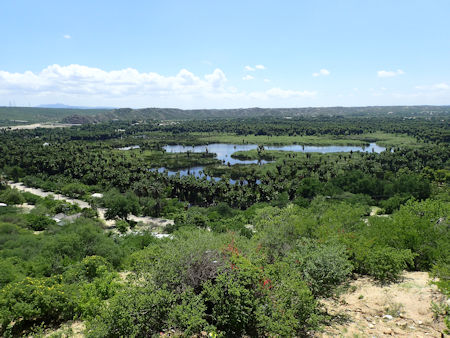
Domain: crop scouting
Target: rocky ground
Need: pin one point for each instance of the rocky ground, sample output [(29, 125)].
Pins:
[(402, 309)]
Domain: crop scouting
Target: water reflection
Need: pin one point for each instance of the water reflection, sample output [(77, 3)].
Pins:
[(224, 152)]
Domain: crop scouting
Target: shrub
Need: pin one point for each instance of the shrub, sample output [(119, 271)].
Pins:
[(233, 297), (75, 189), (12, 196), (188, 314), (87, 270), (89, 213), (122, 226), (289, 309), (394, 203), (134, 312), (31, 198), (39, 222), (34, 301), (322, 266), (385, 263)]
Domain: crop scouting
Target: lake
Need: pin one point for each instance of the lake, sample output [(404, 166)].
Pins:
[(224, 152)]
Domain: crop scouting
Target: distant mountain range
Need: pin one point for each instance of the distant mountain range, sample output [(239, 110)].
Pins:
[(65, 106)]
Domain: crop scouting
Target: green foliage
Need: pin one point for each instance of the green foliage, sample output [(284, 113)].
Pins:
[(10, 271), (385, 264), (88, 269), (277, 231), (31, 198), (35, 300), (134, 312), (233, 297), (291, 309), (394, 203), (95, 281), (420, 227), (38, 222), (122, 226), (243, 260), (75, 190), (120, 205), (322, 266), (188, 314), (12, 196), (309, 187)]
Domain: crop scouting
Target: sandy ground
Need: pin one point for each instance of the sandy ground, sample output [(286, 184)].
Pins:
[(401, 310), (73, 329), (152, 221), (39, 125)]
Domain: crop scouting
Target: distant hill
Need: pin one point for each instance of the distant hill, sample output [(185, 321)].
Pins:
[(64, 106), (14, 115), (180, 114)]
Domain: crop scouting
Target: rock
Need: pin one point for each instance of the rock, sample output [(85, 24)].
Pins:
[(419, 322), (388, 317), (387, 331), (371, 326), (402, 324)]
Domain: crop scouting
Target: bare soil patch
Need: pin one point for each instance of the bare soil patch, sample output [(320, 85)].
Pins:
[(371, 310)]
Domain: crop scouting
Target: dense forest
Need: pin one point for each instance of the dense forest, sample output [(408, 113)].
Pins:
[(259, 236)]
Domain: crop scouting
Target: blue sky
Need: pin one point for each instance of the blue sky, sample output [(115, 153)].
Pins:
[(223, 54)]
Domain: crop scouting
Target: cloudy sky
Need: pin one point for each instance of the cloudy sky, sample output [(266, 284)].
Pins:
[(224, 54)]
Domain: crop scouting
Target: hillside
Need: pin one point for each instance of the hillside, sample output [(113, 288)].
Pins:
[(15, 115)]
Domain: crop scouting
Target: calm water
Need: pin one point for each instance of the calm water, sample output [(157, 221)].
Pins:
[(196, 172), (129, 148), (224, 152)]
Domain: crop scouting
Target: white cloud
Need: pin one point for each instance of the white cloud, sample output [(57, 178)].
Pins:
[(256, 67), (83, 80), (322, 72), (78, 84), (390, 73), (435, 87), (67, 36), (247, 77)]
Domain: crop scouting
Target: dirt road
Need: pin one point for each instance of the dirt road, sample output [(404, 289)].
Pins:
[(161, 222)]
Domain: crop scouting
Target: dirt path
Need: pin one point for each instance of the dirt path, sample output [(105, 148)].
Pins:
[(401, 310), (161, 222)]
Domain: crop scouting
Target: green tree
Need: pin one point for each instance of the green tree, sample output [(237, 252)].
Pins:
[(121, 205)]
